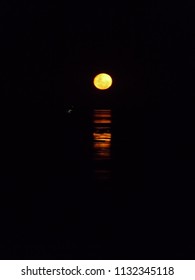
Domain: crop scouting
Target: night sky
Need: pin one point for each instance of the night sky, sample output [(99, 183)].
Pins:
[(50, 53), (53, 49)]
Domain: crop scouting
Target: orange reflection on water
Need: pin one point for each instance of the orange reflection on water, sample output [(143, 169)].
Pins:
[(102, 145), (102, 121), (102, 134), (102, 151), (102, 137), (102, 117)]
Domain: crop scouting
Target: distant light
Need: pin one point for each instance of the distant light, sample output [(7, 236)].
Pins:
[(102, 81)]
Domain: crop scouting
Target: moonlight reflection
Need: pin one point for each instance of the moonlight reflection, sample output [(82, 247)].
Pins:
[(102, 137)]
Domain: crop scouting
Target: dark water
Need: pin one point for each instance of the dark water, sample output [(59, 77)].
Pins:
[(97, 183)]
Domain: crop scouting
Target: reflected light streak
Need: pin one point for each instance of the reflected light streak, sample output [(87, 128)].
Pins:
[(102, 137), (102, 121)]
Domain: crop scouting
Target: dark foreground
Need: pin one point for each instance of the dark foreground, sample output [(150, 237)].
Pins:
[(68, 195)]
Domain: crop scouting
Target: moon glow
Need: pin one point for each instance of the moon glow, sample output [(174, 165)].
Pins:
[(102, 81)]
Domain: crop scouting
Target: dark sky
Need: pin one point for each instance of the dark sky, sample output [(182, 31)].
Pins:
[(51, 49)]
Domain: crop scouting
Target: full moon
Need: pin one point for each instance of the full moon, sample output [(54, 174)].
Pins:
[(102, 81)]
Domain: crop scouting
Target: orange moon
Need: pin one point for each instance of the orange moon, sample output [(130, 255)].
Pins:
[(102, 81)]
